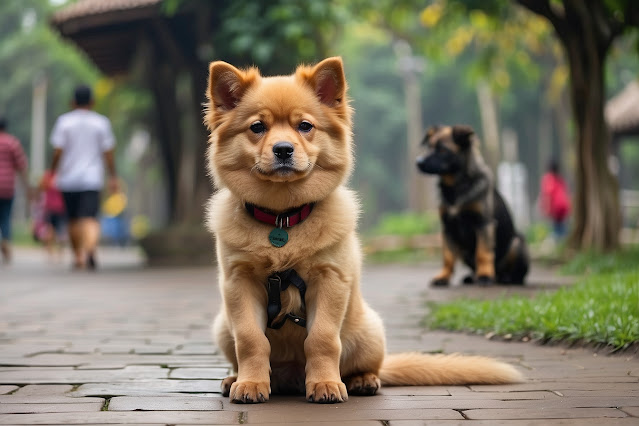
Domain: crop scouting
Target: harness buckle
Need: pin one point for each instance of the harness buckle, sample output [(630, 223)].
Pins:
[(275, 285)]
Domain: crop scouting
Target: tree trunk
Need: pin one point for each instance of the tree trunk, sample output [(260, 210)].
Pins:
[(596, 202), (202, 187), (586, 32), (163, 87)]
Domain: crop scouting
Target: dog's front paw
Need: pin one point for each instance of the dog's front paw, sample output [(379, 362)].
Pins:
[(249, 392), (363, 384), (439, 282), (485, 280), (326, 392), (468, 280)]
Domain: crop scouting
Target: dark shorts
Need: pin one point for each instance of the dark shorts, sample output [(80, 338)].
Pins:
[(5, 218), (57, 221), (82, 204)]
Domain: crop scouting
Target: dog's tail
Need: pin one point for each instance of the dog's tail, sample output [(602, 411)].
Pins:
[(416, 369)]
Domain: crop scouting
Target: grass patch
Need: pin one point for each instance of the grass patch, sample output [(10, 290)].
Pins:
[(23, 235), (402, 256), (591, 262), (407, 224), (602, 309)]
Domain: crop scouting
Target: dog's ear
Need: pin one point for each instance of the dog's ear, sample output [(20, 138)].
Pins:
[(462, 135), (327, 79), (429, 134), (228, 84)]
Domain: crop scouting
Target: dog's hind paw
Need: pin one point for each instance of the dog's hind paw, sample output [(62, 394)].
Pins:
[(468, 280), (249, 392), (485, 280), (326, 392), (363, 384), (439, 282)]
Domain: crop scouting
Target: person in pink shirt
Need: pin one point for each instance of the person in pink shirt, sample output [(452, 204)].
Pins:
[(53, 215), (12, 161), (554, 199)]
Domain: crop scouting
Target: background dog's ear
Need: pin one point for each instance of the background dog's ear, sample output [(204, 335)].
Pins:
[(327, 79), (227, 84), (429, 134), (462, 135)]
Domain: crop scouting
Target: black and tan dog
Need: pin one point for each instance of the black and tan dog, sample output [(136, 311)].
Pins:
[(476, 224)]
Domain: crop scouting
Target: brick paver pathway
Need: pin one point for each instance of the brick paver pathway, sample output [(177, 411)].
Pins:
[(129, 345)]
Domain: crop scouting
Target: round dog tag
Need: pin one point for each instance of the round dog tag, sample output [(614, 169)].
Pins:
[(278, 237)]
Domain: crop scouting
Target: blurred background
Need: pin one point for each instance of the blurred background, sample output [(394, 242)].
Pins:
[(536, 80)]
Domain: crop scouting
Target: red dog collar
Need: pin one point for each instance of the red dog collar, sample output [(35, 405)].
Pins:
[(283, 220)]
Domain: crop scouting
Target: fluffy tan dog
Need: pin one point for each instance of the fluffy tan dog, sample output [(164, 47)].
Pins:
[(280, 153)]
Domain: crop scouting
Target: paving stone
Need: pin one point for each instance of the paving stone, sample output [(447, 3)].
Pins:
[(425, 402), (44, 390), (327, 423), (414, 390), (559, 386), (196, 349), (5, 389), (552, 413), (505, 396), (121, 417), (627, 421), (75, 360), (67, 375), (336, 415), (631, 411), (102, 366), (30, 350), (45, 399), (594, 392), (115, 349), (165, 403), (27, 408), (199, 373), (148, 388), (151, 349)]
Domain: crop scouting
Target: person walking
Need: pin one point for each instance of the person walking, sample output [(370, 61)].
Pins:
[(50, 220), (554, 199), (83, 145), (12, 161)]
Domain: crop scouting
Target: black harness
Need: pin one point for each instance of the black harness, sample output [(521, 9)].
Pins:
[(277, 283)]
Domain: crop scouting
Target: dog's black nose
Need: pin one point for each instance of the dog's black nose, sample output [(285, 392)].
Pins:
[(283, 150)]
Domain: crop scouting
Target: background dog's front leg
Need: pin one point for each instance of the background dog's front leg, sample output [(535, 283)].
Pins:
[(443, 278), (247, 319), (327, 299), (485, 254)]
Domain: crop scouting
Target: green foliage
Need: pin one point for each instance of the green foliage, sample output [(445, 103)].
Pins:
[(537, 233), (602, 309), (274, 35), (29, 49), (407, 224), (592, 262)]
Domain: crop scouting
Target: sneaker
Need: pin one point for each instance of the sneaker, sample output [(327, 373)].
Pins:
[(6, 253), (91, 265)]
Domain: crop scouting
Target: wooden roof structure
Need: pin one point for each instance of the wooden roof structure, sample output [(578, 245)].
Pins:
[(107, 30), (622, 112)]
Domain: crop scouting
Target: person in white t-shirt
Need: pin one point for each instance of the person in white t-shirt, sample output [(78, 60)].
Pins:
[(83, 145)]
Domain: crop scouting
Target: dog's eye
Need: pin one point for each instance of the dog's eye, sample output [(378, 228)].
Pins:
[(305, 126), (258, 127)]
